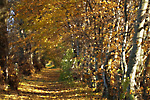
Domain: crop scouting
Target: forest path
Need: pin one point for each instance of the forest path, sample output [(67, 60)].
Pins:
[(46, 85)]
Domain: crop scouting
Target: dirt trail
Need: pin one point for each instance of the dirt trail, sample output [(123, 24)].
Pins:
[(46, 85)]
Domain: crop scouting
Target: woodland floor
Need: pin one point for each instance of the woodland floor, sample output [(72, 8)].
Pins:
[(45, 85)]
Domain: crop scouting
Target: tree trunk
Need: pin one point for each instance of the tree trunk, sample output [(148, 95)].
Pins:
[(136, 53), (3, 38), (123, 58)]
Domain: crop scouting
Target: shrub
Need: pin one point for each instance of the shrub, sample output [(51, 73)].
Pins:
[(26, 69), (13, 79), (66, 65)]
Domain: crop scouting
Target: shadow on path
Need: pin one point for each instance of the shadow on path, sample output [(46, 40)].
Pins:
[(46, 85)]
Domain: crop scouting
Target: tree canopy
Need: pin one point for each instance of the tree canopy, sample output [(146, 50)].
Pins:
[(109, 39)]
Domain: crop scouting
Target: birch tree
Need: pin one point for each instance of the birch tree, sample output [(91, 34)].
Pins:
[(136, 53)]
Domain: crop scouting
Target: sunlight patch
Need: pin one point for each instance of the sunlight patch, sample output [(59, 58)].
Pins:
[(42, 96)]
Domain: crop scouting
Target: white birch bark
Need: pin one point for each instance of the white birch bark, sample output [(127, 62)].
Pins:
[(123, 58), (136, 52)]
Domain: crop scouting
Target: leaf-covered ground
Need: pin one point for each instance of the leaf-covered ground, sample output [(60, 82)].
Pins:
[(46, 85)]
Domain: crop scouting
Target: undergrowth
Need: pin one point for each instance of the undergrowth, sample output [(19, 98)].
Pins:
[(66, 65)]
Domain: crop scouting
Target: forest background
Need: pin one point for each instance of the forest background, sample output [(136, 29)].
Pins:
[(104, 43)]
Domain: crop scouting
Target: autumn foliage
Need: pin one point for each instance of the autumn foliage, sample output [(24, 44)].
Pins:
[(106, 50)]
